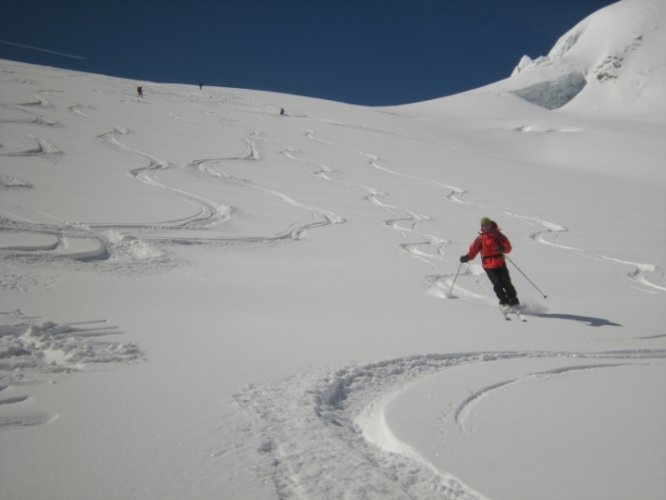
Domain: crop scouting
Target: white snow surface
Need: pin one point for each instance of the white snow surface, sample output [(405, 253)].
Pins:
[(203, 299)]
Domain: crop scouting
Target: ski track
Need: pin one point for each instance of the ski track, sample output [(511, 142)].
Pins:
[(90, 241), (428, 248), (66, 241), (466, 406), (213, 214), (640, 276), (31, 348), (318, 170), (308, 430), (402, 220), (41, 147), (296, 231), (13, 182), (84, 242), (438, 285), (26, 117), (210, 213)]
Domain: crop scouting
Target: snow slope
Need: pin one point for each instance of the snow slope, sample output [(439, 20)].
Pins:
[(203, 299)]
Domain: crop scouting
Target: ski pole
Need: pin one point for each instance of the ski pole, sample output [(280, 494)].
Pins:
[(454, 279), (526, 277)]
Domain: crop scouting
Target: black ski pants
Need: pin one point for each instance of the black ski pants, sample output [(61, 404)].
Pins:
[(502, 285)]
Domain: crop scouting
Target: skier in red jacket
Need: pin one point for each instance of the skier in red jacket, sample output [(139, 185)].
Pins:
[(493, 245)]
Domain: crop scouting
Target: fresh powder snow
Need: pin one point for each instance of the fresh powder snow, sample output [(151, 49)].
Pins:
[(202, 298)]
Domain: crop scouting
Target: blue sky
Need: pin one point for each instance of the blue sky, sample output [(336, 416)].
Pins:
[(370, 52)]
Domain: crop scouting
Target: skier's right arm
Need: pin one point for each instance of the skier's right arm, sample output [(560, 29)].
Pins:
[(474, 249)]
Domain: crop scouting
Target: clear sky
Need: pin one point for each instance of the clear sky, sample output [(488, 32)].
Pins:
[(371, 52)]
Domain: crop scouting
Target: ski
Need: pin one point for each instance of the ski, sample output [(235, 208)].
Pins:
[(519, 315), (507, 311)]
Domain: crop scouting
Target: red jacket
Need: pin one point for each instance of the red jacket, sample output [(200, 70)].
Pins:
[(492, 244)]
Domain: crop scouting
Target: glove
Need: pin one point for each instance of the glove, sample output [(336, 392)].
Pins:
[(500, 249), (464, 259)]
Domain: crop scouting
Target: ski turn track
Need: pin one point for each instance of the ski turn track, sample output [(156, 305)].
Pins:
[(323, 434), (645, 277), (550, 235)]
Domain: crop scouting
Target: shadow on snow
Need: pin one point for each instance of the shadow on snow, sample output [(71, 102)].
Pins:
[(591, 321)]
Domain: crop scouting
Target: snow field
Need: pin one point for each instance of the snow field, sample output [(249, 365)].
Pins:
[(209, 299)]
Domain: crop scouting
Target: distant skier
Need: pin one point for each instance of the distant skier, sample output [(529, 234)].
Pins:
[(282, 112), (493, 245), (139, 91), (200, 86)]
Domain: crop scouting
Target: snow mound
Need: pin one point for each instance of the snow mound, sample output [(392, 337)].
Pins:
[(30, 348), (12, 182), (48, 347)]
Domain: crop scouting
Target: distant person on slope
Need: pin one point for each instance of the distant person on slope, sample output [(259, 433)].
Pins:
[(139, 91), (493, 245)]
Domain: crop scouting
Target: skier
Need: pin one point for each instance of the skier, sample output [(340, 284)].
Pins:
[(493, 245), (139, 91)]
